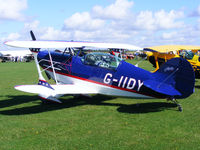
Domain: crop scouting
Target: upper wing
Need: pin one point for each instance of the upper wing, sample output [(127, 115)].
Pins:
[(64, 44)]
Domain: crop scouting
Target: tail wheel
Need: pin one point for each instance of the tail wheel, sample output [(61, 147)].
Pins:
[(180, 108)]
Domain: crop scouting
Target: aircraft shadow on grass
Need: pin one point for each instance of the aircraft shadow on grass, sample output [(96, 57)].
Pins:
[(197, 86), (39, 107)]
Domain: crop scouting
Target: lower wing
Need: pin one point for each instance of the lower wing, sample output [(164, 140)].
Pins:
[(56, 89)]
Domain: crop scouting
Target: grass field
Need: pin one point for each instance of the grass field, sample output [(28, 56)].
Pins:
[(101, 122)]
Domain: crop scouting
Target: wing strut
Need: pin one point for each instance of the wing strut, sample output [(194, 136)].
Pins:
[(52, 66), (38, 67)]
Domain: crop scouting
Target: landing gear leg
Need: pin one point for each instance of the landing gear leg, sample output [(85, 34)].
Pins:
[(176, 102)]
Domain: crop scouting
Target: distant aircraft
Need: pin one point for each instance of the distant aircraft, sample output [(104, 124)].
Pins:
[(103, 73), (16, 52), (157, 55), (15, 55)]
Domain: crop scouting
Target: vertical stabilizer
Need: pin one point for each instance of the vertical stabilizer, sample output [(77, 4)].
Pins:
[(179, 74)]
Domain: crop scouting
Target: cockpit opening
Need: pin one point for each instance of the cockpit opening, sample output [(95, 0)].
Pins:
[(103, 60)]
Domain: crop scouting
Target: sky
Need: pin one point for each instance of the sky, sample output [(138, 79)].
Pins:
[(142, 23)]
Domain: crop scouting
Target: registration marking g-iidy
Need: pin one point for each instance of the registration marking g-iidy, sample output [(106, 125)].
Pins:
[(124, 82)]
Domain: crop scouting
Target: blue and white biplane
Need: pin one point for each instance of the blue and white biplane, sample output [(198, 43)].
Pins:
[(103, 73)]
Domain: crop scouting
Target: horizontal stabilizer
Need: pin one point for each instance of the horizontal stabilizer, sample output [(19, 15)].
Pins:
[(162, 88)]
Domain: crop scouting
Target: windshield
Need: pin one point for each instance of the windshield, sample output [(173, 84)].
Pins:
[(104, 60), (187, 54)]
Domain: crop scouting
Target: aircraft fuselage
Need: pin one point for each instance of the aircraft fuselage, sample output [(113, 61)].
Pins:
[(124, 80)]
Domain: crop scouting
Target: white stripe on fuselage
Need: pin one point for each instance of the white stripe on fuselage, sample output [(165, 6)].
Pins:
[(101, 89)]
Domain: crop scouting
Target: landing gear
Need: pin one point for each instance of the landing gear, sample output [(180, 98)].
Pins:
[(49, 99), (176, 102)]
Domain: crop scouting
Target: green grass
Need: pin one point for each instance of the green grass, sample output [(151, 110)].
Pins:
[(99, 123)]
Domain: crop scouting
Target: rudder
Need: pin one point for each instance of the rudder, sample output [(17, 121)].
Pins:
[(179, 74)]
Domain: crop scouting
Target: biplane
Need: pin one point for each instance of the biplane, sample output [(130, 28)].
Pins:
[(103, 73), (158, 55)]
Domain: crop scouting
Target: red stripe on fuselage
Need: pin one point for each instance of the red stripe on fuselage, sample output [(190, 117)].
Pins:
[(100, 83)]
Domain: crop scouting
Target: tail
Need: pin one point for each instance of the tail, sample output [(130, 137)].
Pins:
[(175, 78)]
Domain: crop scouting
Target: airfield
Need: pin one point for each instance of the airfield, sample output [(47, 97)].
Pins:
[(101, 122)]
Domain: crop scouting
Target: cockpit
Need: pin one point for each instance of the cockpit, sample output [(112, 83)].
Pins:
[(187, 54), (103, 60)]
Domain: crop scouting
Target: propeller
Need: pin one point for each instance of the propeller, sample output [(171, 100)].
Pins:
[(32, 35), (34, 39)]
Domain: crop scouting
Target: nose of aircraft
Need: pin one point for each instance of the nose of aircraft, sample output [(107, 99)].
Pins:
[(43, 55)]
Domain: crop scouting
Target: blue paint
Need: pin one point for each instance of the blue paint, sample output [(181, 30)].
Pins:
[(174, 79)]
